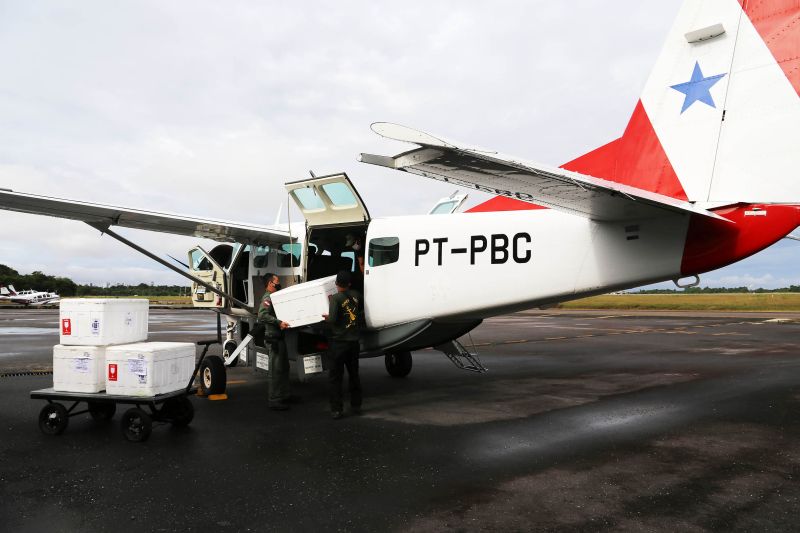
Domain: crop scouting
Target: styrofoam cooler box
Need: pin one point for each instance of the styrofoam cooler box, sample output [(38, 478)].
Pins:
[(79, 368), (103, 321), (304, 303), (148, 368)]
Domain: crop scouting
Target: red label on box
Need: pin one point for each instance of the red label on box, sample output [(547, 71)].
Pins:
[(66, 326), (112, 372)]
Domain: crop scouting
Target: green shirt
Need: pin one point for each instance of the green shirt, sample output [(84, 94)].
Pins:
[(266, 316), (344, 315)]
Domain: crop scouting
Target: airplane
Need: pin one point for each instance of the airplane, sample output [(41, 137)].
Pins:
[(704, 175), (28, 297)]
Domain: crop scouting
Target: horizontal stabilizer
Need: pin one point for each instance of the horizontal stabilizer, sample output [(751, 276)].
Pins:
[(108, 215), (559, 189)]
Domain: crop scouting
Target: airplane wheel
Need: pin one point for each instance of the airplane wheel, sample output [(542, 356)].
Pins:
[(53, 419), (228, 348), (136, 425), (398, 364), (213, 377), (102, 411)]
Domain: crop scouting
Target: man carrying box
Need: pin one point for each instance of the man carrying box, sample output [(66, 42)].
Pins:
[(275, 342), (344, 319)]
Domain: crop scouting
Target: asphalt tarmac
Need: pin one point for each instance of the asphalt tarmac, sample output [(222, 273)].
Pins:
[(586, 421)]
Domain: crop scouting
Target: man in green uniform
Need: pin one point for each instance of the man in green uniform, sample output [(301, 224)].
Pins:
[(344, 319), (276, 344)]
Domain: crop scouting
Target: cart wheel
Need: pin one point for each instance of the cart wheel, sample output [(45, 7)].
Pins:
[(136, 425), (179, 411), (228, 348), (53, 419), (213, 377), (102, 411)]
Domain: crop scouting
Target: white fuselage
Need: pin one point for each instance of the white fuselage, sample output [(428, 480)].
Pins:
[(483, 264)]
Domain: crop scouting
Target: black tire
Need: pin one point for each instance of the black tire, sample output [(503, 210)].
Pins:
[(398, 364), (228, 347), (178, 411), (136, 425), (102, 411), (213, 377), (53, 419)]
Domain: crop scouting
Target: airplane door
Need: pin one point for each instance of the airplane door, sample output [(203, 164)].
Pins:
[(328, 200), (204, 267)]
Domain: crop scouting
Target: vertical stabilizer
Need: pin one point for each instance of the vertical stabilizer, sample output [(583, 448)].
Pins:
[(723, 100), (719, 118)]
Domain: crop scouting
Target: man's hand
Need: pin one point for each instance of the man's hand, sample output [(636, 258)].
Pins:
[(325, 317), (284, 325)]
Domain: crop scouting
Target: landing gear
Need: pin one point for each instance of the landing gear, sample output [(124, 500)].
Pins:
[(227, 349), (213, 377), (398, 364)]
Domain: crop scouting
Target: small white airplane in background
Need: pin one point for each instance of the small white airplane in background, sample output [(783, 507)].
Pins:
[(28, 297), (704, 175)]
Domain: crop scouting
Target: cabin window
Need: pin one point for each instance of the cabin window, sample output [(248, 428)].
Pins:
[(260, 256), (340, 195), (308, 198), (383, 251), (289, 255)]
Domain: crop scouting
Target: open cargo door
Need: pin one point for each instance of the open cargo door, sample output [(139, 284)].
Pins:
[(328, 200)]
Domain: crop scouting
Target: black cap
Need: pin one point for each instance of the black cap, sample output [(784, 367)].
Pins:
[(343, 279)]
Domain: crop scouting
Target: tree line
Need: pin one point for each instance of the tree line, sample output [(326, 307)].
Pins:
[(718, 290), (66, 287)]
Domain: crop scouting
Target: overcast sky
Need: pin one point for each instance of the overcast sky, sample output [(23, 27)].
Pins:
[(207, 108)]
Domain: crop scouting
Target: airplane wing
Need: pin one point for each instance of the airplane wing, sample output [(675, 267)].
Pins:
[(556, 188), (140, 219)]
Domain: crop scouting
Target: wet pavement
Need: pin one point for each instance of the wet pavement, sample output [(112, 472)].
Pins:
[(586, 421)]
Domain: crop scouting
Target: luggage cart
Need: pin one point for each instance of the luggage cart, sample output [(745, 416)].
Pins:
[(137, 423)]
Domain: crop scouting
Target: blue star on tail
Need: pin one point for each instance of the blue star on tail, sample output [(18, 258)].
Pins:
[(698, 89)]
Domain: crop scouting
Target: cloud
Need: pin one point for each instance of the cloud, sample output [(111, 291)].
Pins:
[(207, 108)]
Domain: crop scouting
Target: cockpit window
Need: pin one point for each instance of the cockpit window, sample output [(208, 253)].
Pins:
[(200, 261), (444, 208), (383, 251)]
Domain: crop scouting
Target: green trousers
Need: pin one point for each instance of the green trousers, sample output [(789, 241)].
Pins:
[(278, 372)]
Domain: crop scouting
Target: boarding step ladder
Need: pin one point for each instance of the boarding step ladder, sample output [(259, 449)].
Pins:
[(461, 357)]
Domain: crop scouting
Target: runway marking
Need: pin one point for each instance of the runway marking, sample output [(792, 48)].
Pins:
[(516, 342), (236, 381), (554, 338)]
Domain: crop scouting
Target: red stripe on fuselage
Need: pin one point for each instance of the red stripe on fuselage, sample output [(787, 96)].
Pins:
[(637, 159), (778, 23), (712, 244)]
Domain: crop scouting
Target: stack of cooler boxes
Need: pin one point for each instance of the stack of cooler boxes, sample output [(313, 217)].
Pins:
[(102, 348)]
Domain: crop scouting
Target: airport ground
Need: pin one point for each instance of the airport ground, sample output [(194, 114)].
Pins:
[(586, 421)]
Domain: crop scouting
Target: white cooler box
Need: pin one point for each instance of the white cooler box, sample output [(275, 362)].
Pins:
[(79, 368), (103, 321), (149, 368), (305, 303)]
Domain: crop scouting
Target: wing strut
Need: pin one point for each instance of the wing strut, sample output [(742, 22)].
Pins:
[(103, 228)]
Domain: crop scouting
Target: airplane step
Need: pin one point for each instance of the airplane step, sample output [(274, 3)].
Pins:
[(461, 357)]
